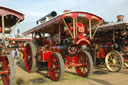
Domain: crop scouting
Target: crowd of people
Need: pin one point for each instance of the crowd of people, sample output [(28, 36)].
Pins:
[(16, 54)]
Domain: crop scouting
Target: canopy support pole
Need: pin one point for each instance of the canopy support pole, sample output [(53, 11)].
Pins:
[(90, 31), (3, 28), (67, 27), (95, 31)]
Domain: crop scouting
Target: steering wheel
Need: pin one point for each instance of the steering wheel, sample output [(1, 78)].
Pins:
[(37, 36)]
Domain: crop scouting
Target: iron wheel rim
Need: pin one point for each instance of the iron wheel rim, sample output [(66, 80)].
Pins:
[(112, 61), (28, 57), (54, 67), (83, 59)]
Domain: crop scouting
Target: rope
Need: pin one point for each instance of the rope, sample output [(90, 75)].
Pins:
[(3, 34)]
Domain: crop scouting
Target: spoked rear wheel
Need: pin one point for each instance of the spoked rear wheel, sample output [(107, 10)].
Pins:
[(56, 66), (30, 57), (8, 71), (114, 61), (86, 67)]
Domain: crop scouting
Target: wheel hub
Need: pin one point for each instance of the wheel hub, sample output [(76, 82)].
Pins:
[(28, 57), (72, 49), (114, 61)]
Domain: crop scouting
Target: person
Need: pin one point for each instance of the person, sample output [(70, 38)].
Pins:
[(17, 56), (13, 53), (20, 55)]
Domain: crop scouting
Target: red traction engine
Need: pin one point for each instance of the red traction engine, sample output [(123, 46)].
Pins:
[(59, 42), (110, 45), (8, 21), (19, 44)]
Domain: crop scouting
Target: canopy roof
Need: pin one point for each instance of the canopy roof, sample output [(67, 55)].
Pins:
[(111, 26), (48, 26), (10, 16)]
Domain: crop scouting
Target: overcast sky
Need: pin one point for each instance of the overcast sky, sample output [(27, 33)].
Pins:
[(35, 9)]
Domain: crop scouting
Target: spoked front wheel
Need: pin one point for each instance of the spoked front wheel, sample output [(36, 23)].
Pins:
[(30, 57), (84, 59), (56, 66), (8, 71), (114, 61)]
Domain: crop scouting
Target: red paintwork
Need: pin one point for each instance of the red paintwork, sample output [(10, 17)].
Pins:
[(83, 40), (83, 60), (0, 30), (69, 61), (72, 36), (46, 55), (10, 19), (78, 40), (125, 55), (5, 70), (101, 53), (28, 62), (88, 15), (40, 56), (71, 51), (18, 42), (53, 67), (43, 28)]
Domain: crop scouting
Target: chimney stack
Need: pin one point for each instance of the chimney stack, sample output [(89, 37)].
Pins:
[(66, 11), (120, 18)]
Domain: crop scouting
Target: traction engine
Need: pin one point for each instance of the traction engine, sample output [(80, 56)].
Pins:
[(60, 42), (8, 21)]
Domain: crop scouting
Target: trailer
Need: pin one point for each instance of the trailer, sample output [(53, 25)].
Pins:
[(8, 20)]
